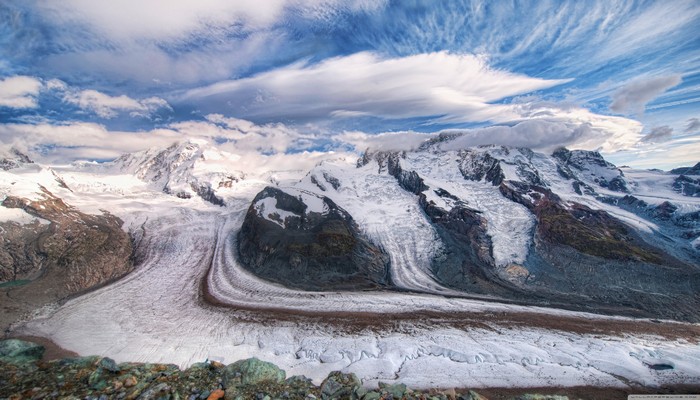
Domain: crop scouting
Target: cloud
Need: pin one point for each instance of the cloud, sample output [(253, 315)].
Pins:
[(19, 92), (633, 96), (107, 106), (659, 134), (448, 87), (580, 130), (152, 19), (693, 125)]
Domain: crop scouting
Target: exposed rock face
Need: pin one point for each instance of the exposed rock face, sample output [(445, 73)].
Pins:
[(467, 260), (588, 253), (73, 252), (694, 170), (176, 170), (14, 159), (687, 186), (476, 166), (285, 240), (591, 167)]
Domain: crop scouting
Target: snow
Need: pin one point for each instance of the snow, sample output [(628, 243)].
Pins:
[(156, 314), (267, 208), (161, 319)]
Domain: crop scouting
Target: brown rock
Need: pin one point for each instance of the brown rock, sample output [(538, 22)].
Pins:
[(216, 395)]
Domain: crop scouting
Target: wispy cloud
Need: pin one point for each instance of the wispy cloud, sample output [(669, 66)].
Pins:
[(107, 106), (455, 88), (659, 134), (692, 125), (633, 96), (19, 92)]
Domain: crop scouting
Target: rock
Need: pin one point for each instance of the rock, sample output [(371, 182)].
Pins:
[(15, 351), (251, 372), (315, 246), (108, 364), (472, 395), (161, 391), (216, 395), (529, 396), (397, 390), (372, 396), (130, 381), (339, 385)]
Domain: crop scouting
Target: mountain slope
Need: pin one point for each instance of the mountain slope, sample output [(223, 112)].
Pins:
[(516, 225)]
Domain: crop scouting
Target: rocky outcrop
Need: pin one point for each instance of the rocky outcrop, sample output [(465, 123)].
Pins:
[(62, 253), (14, 159), (285, 240), (694, 170), (466, 262), (687, 186), (590, 166), (476, 166), (581, 252)]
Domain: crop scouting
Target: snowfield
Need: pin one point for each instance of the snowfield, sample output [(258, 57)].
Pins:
[(158, 313)]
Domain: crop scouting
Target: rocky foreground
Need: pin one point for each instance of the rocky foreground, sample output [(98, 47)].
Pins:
[(24, 374)]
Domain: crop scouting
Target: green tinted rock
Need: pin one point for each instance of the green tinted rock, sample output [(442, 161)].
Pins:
[(251, 372), (339, 385), (397, 391), (15, 351)]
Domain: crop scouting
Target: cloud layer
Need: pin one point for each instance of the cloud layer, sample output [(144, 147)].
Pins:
[(450, 88)]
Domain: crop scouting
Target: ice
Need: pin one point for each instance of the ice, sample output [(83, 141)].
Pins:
[(157, 314)]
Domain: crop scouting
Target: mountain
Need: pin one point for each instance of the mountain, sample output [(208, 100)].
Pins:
[(184, 169), (52, 250), (568, 230)]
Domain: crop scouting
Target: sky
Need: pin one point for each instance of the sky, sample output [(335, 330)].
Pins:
[(81, 79)]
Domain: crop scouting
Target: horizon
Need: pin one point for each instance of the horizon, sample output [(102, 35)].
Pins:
[(82, 81)]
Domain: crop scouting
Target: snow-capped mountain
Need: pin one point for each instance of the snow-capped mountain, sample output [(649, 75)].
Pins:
[(468, 238), (567, 229), (185, 169)]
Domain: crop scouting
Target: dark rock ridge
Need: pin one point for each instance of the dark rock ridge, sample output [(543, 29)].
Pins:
[(687, 186), (68, 253), (14, 159), (694, 170), (306, 249), (587, 254), (581, 258), (466, 263), (585, 162)]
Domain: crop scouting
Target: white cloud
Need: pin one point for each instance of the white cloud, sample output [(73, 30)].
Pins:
[(134, 20), (19, 92), (449, 87), (107, 106), (678, 152), (634, 95), (542, 128)]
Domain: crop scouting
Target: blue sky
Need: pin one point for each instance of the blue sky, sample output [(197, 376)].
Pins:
[(86, 79)]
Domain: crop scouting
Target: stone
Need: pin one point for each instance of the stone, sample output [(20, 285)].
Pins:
[(251, 372), (17, 352), (397, 391), (216, 395), (108, 364), (339, 385)]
